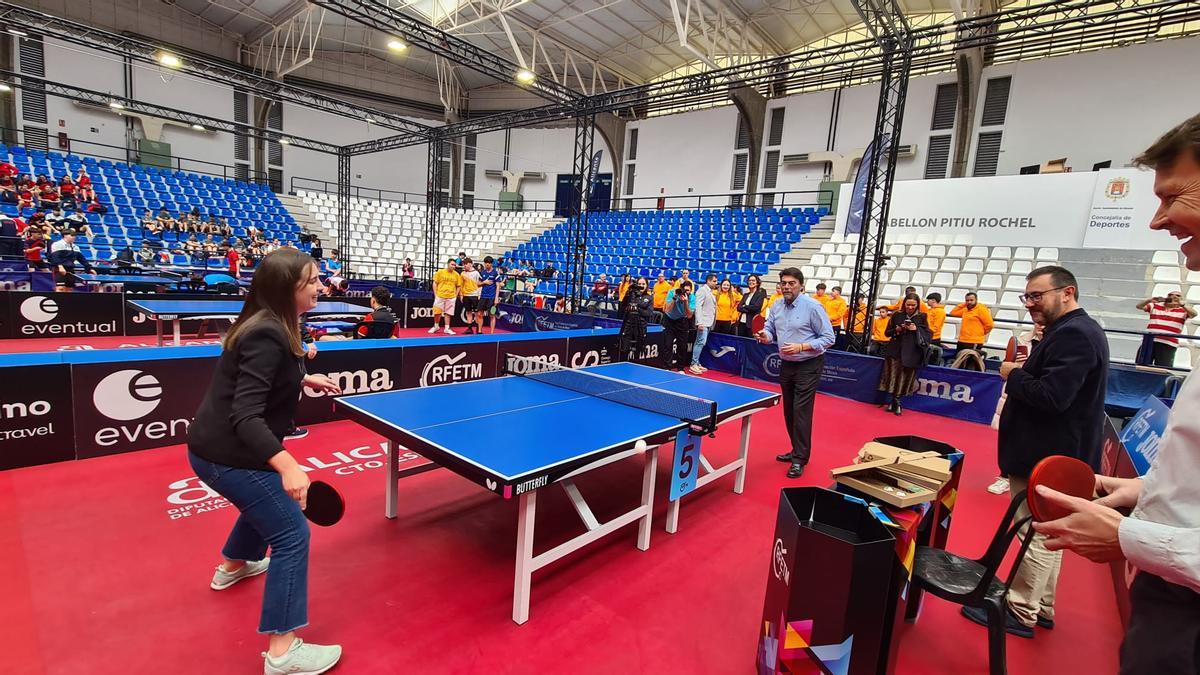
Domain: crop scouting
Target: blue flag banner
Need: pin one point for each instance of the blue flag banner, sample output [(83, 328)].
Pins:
[(38, 282), (724, 353), (605, 322), (1143, 433), (858, 198), (686, 467), (540, 319)]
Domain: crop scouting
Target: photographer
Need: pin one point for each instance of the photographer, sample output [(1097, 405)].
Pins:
[(908, 333), (1167, 315), (637, 310), (677, 317)]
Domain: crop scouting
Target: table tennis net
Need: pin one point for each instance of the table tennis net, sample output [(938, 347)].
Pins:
[(701, 414)]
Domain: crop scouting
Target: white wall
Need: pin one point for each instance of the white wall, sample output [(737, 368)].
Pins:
[(1106, 105), (208, 151), (685, 153), (82, 67)]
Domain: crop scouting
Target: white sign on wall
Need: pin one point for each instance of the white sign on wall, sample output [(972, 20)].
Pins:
[(1043, 210), (1123, 203)]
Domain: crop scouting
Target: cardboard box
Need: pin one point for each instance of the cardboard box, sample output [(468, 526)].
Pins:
[(894, 476)]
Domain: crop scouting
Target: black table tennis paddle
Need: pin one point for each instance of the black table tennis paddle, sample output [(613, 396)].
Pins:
[(325, 504)]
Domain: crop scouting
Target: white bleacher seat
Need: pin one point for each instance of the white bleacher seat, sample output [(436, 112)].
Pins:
[(900, 276), (1024, 253), (999, 338), (980, 252), (943, 279), (1011, 299), (917, 250), (967, 280), (817, 259), (928, 264), (823, 272), (1168, 274), (921, 278), (837, 261), (895, 250), (807, 270), (1162, 290), (992, 281), (955, 296), (889, 292), (1021, 267), (936, 251), (1003, 252), (829, 247), (1005, 315), (1047, 254), (973, 265), (951, 265), (936, 289), (1166, 258), (1015, 283), (845, 249), (925, 238), (908, 263), (949, 331), (956, 252), (995, 266), (1193, 277), (987, 297)]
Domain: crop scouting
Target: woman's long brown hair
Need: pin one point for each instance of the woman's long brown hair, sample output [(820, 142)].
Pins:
[(272, 296)]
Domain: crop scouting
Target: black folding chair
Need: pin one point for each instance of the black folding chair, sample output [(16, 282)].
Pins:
[(973, 583), (378, 330)]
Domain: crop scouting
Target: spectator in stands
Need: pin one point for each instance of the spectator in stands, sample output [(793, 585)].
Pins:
[(83, 184), (234, 259), (56, 217), (937, 320), (10, 239), (560, 304), (908, 333), (490, 281), (447, 286), (683, 276), (407, 270), (835, 307), (8, 190), (548, 272), (38, 219), (27, 194), (820, 295), (1167, 315), (859, 324), (95, 207), (253, 233), (334, 264), (67, 190), (8, 170), (705, 318), (210, 245), (678, 310), (50, 198), (801, 328), (661, 288), (43, 181), (879, 336), (728, 300), (64, 256), (908, 290), (623, 288), (149, 224), (976, 323), (471, 291), (166, 222), (462, 256), (600, 289), (191, 245), (35, 245), (751, 304), (1055, 406), (146, 255)]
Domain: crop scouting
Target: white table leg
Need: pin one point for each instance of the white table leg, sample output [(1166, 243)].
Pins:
[(158, 328), (175, 324), (527, 509), (649, 473), (393, 478), (739, 480)]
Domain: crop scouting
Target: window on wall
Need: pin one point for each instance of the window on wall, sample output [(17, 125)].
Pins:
[(945, 103), (771, 170), (633, 143), (775, 131), (32, 57), (987, 153), (470, 152), (630, 172), (36, 138), (275, 122), (995, 101), (937, 158), (742, 142), (741, 163)]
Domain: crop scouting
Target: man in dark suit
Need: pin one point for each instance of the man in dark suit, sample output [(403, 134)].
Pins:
[(1055, 406)]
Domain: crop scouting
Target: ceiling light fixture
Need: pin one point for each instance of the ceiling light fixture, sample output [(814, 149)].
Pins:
[(18, 33), (116, 105), (396, 45), (284, 141), (525, 76), (4, 87), (169, 60), (198, 127)]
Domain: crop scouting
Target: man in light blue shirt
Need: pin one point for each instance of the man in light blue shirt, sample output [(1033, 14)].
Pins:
[(801, 328)]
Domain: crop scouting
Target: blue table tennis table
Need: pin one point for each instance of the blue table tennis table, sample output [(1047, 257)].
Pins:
[(176, 310), (155, 279), (556, 434)]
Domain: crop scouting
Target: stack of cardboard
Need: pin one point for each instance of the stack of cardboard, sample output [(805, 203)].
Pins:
[(894, 476)]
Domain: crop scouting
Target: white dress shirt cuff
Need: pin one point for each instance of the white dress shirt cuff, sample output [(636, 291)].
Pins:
[(1172, 553)]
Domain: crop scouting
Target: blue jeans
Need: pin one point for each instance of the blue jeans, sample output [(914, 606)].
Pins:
[(269, 517), (698, 348)]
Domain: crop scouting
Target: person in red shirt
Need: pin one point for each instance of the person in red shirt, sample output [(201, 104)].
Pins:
[(43, 181), (83, 184), (1167, 315), (8, 190), (235, 262), (34, 246), (27, 196), (49, 197), (8, 170), (66, 189)]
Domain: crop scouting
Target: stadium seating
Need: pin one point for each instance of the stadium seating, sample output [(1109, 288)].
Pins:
[(730, 243), (128, 190), (388, 231)]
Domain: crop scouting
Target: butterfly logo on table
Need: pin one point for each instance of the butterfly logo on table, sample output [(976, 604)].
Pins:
[(491, 484)]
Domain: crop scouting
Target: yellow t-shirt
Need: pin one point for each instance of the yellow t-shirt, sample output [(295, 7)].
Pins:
[(727, 305), (469, 285), (446, 283), (622, 290), (836, 309), (661, 288), (937, 319), (878, 328), (770, 301)]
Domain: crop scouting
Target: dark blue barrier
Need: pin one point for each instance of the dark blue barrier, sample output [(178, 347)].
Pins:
[(38, 282), (1129, 388), (541, 320), (724, 353)]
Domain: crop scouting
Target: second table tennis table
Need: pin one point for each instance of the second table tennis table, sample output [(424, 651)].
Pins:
[(557, 434), (176, 310)]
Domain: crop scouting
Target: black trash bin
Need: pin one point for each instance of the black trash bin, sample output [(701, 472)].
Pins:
[(831, 574)]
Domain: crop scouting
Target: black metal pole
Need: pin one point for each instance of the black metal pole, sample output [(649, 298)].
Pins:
[(343, 207)]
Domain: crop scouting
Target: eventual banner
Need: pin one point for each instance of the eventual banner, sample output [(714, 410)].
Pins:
[(1144, 432), (724, 353), (427, 366), (36, 315), (1038, 210), (357, 371), (131, 405), (1123, 204), (36, 421)]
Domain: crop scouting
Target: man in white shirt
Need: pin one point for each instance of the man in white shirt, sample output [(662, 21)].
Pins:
[(1162, 535), (706, 317)]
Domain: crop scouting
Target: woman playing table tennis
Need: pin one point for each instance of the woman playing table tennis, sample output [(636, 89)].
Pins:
[(235, 446)]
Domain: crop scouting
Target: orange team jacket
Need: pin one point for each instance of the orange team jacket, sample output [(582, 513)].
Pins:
[(879, 328), (622, 290), (727, 305), (661, 288), (976, 323), (860, 318), (836, 309), (937, 319)]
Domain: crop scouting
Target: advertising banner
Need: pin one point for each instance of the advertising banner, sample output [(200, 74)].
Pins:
[(852, 376), (541, 319), (1143, 433), (548, 352), (511, 318), (38, 315), (593, 350), (131, 405), (419, 314), (761, 362), (38, 282), (858, 198), (724, 353), (356, 371), (36, 421), (1038, 210), (428, 366), (1123, 203), (963, 394)]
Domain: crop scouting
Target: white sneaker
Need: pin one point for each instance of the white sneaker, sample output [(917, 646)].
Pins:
[(433, 330), (695, 370), (222, 579), (999, 487), (302, 659), (447, 331)]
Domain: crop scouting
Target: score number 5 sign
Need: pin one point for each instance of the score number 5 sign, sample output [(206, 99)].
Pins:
[(686, 469)]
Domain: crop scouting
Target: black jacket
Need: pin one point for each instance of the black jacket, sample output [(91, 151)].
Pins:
[(251, 401), (752, 303), (1055, 401), (907, 346)]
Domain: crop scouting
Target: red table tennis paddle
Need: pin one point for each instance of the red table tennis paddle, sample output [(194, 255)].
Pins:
[(325, 504), (757, 323), (1067, 475)]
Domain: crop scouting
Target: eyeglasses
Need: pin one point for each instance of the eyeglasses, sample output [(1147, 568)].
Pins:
[(789, 283), (1035, 297)]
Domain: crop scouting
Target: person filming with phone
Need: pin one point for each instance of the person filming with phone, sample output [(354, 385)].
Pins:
[(904, 353)]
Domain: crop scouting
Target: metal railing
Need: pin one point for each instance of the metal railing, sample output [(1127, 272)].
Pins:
[(118, 153)]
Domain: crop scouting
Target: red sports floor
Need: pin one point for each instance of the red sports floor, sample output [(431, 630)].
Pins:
[(98, 577), (135, 341)]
